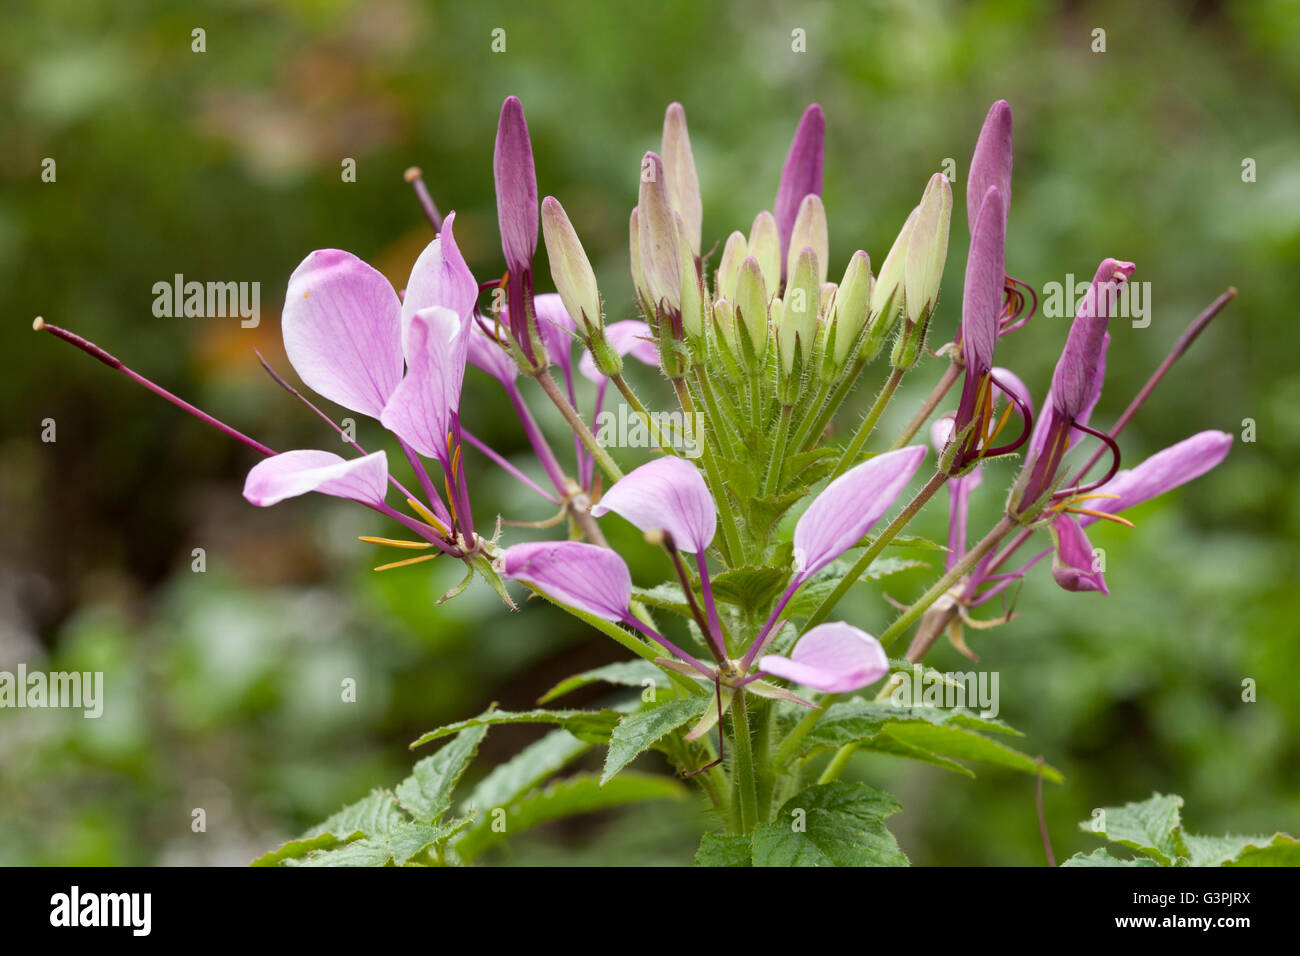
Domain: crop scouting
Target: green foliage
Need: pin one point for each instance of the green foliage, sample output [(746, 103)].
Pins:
[(835, 824), (1154, 829), (638, 732)]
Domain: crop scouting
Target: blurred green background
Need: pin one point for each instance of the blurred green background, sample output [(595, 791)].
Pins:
[(223, 686)]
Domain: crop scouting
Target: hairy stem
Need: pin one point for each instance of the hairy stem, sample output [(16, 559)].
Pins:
[(927, 408), (552, 390), (869, 423)]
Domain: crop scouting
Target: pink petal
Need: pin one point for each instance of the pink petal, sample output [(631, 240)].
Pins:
[(557, 329), (490, 356), (342, 330), (801, 175), (1013, 385), (835, 658), (849, 506), (667, 494), (439, 277), (1163, 471), (516, 182), (590, 578), (991, 163), (628, 337), (295, 473), (1072, 562), (1077, 379), (421, 408), (985, 276)]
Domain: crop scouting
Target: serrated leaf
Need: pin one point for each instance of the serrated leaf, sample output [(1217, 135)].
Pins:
[(624, 673), (590, 725), (638, 732), (953, 740), (884, 744), (400, 845), (750, 586), (296, 849), (719, 849), (1152, 826), (832, 824), (811, 595), (906, 541), (376, 813), (576, 795), (667, 596), (1100, 857), (526, 769), (1282, 850), (426, 793)]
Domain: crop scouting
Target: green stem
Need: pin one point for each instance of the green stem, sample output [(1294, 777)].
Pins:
[(634, 403), (838, 762), (869, 423), (718, 422), (746, 787), (772, 479), (791, 743), (835, 401), (579, 427), (940, 587), (730, 533), (927, 408), (882, 541), (763, 716), (814, 408)]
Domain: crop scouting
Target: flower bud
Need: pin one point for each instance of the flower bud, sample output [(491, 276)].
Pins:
[(638, 275), (927, 250), (657, 238), (851, 302), (516, 185), (887, 293), (733, 253), (571, 269), (751, 308), (810, 230), (692, 292), (801, 175), (797, 329), (765, 247), (682, 180)]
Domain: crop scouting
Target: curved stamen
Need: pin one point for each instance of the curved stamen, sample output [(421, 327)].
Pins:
[(1026, 416), (1094, 485), (1015, 315)]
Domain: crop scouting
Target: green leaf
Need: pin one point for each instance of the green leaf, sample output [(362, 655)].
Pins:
[(426, 793), (750, 586), (811, 595), (590, 725), (526, 769), (624, 673), (668, 596), (1100, 857), (718, 849), (400, 845), (906, 541), (1282, 850), (949, 732), (1152, 827), (884, 744), (832, 824), (639, 732), (376, 813), (583, 793), (296, 849)]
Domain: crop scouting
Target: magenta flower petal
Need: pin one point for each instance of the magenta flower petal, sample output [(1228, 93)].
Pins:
[(667, 494), (981, 306), (343, 331), (440, 277), (584, 576), (835, 658), (628, 337), (959, 490), (849, 506), (1078, 372), (991, 164), (516, 182), (1014, 386), (1072, 564), (557, 329), (422, 407), (801, 175), (295, 473), (1163, 471), (489, 356)]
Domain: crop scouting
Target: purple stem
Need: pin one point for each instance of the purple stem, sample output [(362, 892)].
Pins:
[(710, 608), (537, 440), (632, 621), (505, 466), (760, 642)]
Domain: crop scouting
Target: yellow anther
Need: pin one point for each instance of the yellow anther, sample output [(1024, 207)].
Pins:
[(426, 515), (395, 543), (402, 564)]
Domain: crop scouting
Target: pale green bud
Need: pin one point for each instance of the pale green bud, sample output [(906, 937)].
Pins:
[(751, 306), (810, 230), (765, 247), (574, 278), (927, 249), (683, 181), (692, 293), (657, 238), (887, 294), (797, 330), (638, 276), (851, 303), (733, 254)]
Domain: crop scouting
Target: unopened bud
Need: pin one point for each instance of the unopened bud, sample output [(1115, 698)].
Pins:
[(752, 307), (927, 249), (797, 329), (571, 269), (657, 238), (692, 292), (682, 180), (765, 247), (851, 302), (733, 254), (887, 294), (810, 230)]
